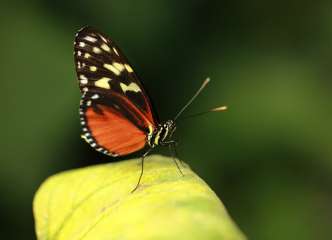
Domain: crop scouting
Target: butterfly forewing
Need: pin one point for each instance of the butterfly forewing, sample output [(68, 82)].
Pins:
[(116, 113), (101, 64)]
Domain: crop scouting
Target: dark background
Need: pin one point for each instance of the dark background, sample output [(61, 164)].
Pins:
[(269, 158)]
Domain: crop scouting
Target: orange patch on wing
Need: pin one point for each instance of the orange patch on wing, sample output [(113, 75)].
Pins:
[(114, 132)]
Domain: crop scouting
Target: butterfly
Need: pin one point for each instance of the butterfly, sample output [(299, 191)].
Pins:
[(116, 114)]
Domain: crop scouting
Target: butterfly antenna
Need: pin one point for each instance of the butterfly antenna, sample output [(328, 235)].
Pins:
[(206, 81), (216, 109)]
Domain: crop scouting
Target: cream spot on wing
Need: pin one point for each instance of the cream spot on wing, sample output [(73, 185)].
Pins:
[(87, 55), (79, 53), (112, 69), (88, 103), (84, 81), (105, 47), (84, 137), (93, 68), (118, 66), (128, 68), (96, 50), (104, 39), (82, 77), (81, 44), (103, 83), (85, 89), (131, 87), (95, 96), (90, 39), (116, 52)]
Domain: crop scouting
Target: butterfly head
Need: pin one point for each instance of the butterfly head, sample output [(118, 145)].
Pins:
[(169, 127), (162, 134)]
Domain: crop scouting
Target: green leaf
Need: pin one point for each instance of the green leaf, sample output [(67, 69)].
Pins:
[(96, 203)]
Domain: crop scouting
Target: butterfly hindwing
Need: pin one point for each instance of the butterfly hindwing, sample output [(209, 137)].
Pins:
[(109, 128), (116, 113)]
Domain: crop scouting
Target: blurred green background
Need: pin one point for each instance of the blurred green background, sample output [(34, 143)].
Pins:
[(269, 158)]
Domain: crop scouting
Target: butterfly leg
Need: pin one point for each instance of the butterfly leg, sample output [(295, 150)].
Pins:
[(176, 154), (173, 152), (142, 169), (173, 143)]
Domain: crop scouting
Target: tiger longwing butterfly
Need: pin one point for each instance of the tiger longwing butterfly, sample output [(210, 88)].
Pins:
[(116, 113)]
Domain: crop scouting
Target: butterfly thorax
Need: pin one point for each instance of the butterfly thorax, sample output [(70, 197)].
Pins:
[(162, 134)]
